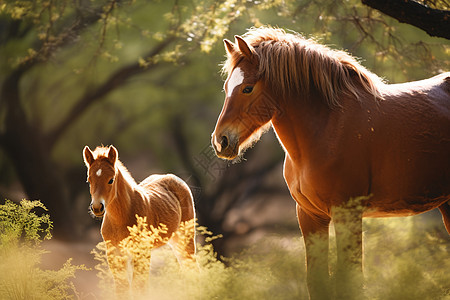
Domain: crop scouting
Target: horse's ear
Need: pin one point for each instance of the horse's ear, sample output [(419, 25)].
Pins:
[(88, 156), (229, 46), (245, 49), (112, 155)]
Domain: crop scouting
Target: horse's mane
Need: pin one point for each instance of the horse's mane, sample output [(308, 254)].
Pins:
[(288, 63), (102, 152)]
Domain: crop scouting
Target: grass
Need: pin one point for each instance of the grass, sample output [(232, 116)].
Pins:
[(402, 261)]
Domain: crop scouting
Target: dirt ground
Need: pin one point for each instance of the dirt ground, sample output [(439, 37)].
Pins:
[(85, 282)]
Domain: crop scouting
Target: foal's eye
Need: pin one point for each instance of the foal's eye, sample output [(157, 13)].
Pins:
[(247, 89), (111, 181)]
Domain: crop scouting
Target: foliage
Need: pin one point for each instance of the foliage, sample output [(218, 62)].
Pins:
[(144, 76), (18, 221), (21, 232), (395, 51), (403, 261), (400, 263)]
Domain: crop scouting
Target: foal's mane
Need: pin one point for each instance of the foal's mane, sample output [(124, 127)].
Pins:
[(288, 63), (102, 153)]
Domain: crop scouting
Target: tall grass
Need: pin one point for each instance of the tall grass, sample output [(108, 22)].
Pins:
[(405, 261), (21, 233), (401, 262), (252, 275)]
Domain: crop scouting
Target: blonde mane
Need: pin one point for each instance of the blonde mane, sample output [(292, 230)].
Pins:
[(288, 63), (102, 152)]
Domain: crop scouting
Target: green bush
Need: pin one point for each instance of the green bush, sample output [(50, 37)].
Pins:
[(21, 233)]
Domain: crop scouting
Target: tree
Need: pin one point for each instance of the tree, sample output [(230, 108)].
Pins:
[(144, 77), (40, 33), (434, 21)]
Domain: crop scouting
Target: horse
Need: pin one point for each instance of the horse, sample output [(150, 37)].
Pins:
[(346, 135), (118, 200)]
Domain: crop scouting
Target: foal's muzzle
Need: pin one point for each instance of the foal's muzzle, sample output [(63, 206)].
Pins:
[(97, 210)]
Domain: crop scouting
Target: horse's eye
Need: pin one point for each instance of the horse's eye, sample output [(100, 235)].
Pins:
[(247, 89), (111, 181)]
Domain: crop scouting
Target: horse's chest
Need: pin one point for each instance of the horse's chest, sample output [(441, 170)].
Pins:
[(303, 192), (113, 232)]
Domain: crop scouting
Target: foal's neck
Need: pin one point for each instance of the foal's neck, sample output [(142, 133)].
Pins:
[(119, 208)]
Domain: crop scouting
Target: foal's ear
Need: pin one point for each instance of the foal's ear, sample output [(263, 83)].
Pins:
[(88, 156), (229, 46), (246, 49), (112, 155)]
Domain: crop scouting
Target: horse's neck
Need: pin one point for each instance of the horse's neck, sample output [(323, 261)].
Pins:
[(301, 123), (119, 208)]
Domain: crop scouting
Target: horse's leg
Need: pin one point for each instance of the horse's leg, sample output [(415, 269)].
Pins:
[(190, 247), (445, 211), (315, 234), (141, 272), (348, 227), (118, 265), (183, 244)]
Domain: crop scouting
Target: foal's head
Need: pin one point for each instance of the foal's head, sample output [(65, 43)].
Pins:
[(248, 108), (101, 165)]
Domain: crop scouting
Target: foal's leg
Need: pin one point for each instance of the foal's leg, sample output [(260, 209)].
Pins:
[(315, 234), (141, 272), (445, 211), (118, 264), (349, 277), (183, 245)]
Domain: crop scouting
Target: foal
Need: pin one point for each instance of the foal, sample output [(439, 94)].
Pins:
[(118, 199)]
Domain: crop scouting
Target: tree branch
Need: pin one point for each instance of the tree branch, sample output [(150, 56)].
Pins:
[(435, 22), (66, 36), (116, 80)]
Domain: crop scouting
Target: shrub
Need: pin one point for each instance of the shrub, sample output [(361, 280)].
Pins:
[(401, 261), (21, 233)]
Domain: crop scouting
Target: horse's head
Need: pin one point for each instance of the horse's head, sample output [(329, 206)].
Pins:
[(101, 165), (247, 110)]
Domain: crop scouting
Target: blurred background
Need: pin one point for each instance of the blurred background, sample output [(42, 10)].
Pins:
[(145, 77)]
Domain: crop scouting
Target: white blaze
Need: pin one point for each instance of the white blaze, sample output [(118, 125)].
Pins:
[(99, 172), (236, 78)]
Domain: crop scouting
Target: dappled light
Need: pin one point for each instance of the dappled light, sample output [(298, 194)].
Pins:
[(400, 262), (150, 77)]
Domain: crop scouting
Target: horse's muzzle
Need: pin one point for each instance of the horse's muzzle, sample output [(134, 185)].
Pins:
[(97, 210), (226, 146)]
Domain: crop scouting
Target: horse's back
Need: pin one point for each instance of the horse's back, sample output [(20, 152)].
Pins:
[(417, 114), (173, 190), (411, 146), (435, 90)]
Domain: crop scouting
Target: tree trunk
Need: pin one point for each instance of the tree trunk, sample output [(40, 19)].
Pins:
[(30, 156)]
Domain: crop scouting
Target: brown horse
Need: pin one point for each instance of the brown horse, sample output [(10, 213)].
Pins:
[(162, 199), (345, 133)]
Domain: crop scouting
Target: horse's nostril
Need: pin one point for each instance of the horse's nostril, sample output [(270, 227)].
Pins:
[(224, 142), (97, 209)]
